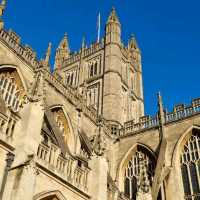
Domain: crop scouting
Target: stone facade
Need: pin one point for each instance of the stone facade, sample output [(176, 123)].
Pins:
[(80, 132)]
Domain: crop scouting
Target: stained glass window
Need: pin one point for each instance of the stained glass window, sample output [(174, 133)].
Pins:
[(10, 92), (190, 167), (138, 173)]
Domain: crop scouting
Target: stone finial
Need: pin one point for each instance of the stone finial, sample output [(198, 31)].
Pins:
[(64, 44), (2, 8), (132, 44), (113, 18), (161, 113), (99, 145), (48, 54), (62, 52), (83, 43)]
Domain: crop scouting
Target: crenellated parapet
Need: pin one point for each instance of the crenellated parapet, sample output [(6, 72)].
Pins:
[(180, 112), (93, 48), (26, 53), (12, 40)]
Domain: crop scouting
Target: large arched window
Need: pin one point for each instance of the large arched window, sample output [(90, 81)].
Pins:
[(11, 88), (190, 167), (139, 173)]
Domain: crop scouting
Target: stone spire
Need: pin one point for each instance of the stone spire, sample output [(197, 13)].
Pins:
[(113, 18), (62, 52), (2, 8)]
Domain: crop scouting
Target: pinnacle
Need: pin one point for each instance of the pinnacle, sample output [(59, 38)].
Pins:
[(3, 3), (113, 17), (83, 42), (65, 37), (2, 7), (133, 42), (64, 43)]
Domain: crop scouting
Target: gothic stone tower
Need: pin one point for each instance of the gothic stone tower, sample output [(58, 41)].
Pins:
[(79, 133), (108, 75), (123, 98)]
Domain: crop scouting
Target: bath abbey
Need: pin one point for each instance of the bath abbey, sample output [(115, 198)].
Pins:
[(80, 133)]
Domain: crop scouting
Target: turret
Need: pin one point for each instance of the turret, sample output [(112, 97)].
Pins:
[(134, 50), (135, 61), (113, 28), (62, 52), (112, 99)]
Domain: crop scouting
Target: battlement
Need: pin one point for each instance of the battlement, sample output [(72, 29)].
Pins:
[(93, 48), (179, 112), (12, 40)]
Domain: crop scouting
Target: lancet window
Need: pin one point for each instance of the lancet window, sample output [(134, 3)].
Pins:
[(92, 96), (93, 68), (71, 78), (139, 174), (190, 167)]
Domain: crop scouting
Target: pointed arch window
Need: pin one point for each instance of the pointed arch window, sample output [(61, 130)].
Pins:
[(139, 173), (190, 166), (93, 68), (10, 91)]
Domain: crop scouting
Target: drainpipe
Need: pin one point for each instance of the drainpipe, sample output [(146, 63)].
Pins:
[(9, 161)]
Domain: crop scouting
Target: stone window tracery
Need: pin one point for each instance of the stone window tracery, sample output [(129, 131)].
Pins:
[(70, 78), (62, 123), (92, 96), (139, 174), (190, 167), (11, 92)]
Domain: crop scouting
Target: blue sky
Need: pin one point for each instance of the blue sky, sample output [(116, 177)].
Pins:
[(168, 33)]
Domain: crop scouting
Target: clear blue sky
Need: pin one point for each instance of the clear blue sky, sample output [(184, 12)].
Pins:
[(168, 33)]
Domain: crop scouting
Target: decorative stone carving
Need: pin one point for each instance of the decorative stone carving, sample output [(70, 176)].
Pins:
[(30, 165), (37, 89), (99, 145)]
